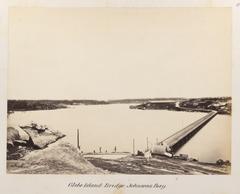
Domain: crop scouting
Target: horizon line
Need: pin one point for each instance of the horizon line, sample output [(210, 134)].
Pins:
[(115, 99)]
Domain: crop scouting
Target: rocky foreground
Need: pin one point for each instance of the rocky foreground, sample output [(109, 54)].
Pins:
[(58, 158), (21, 140), (34, 150)]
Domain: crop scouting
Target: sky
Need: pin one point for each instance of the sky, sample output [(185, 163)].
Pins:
[(114, 53)]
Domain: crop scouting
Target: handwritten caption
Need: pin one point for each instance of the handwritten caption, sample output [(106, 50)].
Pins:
[(116, 186)]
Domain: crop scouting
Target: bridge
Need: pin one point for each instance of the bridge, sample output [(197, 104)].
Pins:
[(173, 143)]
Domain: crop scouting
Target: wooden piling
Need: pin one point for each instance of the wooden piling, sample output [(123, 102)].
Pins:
[(133, 146), (78, 143)]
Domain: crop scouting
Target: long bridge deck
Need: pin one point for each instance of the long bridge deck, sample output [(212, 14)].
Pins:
[(173, 143)]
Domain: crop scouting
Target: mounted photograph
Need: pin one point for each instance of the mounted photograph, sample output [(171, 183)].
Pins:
[(119, 91)]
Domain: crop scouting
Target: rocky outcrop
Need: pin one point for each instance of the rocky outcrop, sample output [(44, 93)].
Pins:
[(27, 143), (12, 135), (42, 138), (18, 143), (21, 140), (58, 158)]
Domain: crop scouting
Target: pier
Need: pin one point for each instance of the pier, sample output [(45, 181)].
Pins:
[(173, 143)]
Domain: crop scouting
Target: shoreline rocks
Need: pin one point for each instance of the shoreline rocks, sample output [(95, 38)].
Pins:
[(58, 158), (31, 151), (23, 139), (41, 138)]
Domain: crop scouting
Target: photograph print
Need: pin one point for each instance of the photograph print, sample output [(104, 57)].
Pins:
[(119, 91)]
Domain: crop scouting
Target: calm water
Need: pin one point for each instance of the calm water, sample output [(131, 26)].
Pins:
[(108, 126)]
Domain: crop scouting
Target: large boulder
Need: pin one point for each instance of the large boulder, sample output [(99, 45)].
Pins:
[(41, 139), (12, 135), (16, 146), (23, 135)]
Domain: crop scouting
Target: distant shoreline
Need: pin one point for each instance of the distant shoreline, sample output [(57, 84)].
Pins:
[(220, 104)]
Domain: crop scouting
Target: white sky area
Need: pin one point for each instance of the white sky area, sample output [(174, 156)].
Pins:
[(114, 53)]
